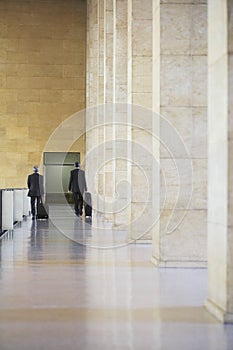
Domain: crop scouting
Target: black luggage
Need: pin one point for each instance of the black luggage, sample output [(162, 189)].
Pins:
[(88, 204), (43, 211)]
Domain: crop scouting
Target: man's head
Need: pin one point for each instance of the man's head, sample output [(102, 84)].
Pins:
[(77, 165), (36, 169)]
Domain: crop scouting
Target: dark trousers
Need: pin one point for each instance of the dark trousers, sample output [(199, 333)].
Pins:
[(78, 203), (34, 205)]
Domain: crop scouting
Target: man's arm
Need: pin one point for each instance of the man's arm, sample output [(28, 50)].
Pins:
[(70, 182), (41, 184), (85, 183), (29, 181)]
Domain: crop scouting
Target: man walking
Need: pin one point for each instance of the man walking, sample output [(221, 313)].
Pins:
[(77, 185), (35, 184)]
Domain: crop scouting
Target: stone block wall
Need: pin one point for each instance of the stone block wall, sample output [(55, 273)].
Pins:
[(42, 79)]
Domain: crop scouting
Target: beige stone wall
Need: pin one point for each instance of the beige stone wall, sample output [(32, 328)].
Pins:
[(42, 79)]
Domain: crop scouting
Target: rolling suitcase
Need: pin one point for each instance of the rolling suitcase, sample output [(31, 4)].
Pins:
[(88, 205), (43, 211)]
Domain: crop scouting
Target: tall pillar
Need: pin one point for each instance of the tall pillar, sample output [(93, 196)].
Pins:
[(94, 95), (107, 57), (142, 216), (119, 56), (180, 96), (156, 131), (220, 179), (107, 166), (122, 168)]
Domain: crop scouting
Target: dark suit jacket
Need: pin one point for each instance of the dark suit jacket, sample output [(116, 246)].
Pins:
[(77, 181), (35, 185)]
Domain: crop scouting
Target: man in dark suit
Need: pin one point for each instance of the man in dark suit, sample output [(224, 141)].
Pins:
[(35, 184), (77, 185)]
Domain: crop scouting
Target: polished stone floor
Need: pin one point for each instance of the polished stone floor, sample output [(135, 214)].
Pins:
[(69, 285)]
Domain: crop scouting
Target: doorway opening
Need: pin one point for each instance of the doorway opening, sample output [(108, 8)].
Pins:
[(57, 167)]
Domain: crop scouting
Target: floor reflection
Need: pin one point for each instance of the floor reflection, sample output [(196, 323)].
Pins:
[(60, 289)]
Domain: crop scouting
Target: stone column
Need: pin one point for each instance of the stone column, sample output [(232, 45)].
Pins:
[(220, 179), (108, 20), (94, 94), (180, 96), (122, 146), (142, 215), (108, 127), (156, 131), (119, 57)]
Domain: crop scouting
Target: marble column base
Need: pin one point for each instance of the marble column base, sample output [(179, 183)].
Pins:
[(218, 312)]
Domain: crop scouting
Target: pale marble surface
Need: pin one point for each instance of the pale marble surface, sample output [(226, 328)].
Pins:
[(175, 29), (176, 81), (199, 147), (188, 242), (57, 293), (199, 29), (142, 10), (142, 37), (199, 81), (200, 175), (178, 126), (220, 290)]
